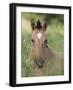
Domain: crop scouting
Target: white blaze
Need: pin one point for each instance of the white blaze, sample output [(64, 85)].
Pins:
[(39, 35)]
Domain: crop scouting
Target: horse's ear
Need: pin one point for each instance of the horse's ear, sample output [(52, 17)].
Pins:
[(45, 26), (32, 24)]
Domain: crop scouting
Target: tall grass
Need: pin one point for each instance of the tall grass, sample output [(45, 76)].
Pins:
[(55, 33)]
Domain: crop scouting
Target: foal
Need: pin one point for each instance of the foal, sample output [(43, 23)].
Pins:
[(40, 52)]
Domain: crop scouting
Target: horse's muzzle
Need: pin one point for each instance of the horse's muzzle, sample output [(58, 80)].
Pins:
[(39, 62)]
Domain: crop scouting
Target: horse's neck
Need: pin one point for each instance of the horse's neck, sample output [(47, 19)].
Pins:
[(50, 54)]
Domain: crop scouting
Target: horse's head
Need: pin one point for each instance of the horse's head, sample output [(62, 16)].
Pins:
[(39, 42)]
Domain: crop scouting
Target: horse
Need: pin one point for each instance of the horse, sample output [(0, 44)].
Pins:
[(40, 53)]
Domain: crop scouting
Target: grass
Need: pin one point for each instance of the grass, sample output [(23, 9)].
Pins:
[(55, 33)]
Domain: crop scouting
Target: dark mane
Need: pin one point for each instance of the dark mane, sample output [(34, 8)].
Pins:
[(38, 25)]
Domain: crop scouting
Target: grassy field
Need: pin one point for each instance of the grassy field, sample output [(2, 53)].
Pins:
[(55, 33)]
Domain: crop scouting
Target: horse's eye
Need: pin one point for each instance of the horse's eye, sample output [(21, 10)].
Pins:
[(45, 41), (32, 40)]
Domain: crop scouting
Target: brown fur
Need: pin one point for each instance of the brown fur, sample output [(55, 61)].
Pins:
[(41, 52)]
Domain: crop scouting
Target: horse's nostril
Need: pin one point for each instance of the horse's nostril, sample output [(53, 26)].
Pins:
[(39, 63)]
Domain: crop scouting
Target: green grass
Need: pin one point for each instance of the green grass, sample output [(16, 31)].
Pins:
[(55, 33)]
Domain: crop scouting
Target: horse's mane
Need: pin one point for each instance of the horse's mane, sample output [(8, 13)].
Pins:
[(38, 25)]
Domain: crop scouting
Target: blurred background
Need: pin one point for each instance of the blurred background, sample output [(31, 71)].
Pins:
[(55, 31)]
